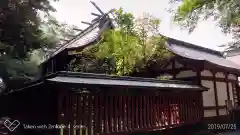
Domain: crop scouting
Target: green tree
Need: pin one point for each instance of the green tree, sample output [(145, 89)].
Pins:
[(20, 25), (129, 47), (26, 29), (226, 12)]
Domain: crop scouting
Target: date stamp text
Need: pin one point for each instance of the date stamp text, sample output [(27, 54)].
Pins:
[(222, 126)]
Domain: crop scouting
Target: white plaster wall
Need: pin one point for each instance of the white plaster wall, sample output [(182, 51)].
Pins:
[(206, 73), (209, 113), (188, 73), (220, 75), (222, 93), (232, 77), (235, 59), (222, 112), (208, 96)]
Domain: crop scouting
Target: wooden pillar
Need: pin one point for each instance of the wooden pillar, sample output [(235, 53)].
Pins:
[(199, 82), (237, 90), (215, 93), (227, 86)]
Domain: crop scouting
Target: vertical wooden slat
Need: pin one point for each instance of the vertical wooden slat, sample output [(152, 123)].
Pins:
[(60, 110), (163, 109), (160, 109), (75, 112), (137, 112), (66, 132), (148, 111), (191, 107), (124, 114), (227, 86), (106, 128), (144, 112), (120, 113), (156, 111), (81, 112), (116, 113), (129, 108), (181, 108), (111, 120), (134, 108), (85, 113), (152, 111), (90, 120), (197, 110), (173, 108), (101, 114), (168, 104), (141, 112), (96, 114), (215, 93), (186, 108)]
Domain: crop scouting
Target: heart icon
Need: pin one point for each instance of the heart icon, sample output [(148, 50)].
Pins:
[(11, 125)]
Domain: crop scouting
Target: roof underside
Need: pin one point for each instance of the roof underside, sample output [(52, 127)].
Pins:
[(194, 52), (131, 82)]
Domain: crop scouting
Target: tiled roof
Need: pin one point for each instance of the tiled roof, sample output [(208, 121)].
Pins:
[(194, 52), (87, 36), (100, 79)]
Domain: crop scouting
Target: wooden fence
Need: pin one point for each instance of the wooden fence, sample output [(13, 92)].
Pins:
[(90, 114)]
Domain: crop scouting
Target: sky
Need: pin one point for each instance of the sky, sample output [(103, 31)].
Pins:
[(207, 33)]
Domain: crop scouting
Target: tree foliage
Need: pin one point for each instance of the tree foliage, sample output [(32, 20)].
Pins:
[(26, 28), (20, 25), (226, 12), (127, 48)]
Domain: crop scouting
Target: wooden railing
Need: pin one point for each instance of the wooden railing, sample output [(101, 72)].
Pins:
[(88, 114)]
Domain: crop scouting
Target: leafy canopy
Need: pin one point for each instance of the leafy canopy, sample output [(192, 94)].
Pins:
[(26, 28), (225, 12), (125, 49)]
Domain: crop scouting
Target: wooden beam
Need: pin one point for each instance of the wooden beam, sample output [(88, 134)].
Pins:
[(237, 90), (71, 35), (86, 23), (66, 40), (95, 5), (76, 29), (199, 82), (96, 19), (95, 14), (215, 93), (210, 78), (214, 107)]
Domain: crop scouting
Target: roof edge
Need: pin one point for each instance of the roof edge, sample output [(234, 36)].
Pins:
[(114, 77), (193, 46)]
